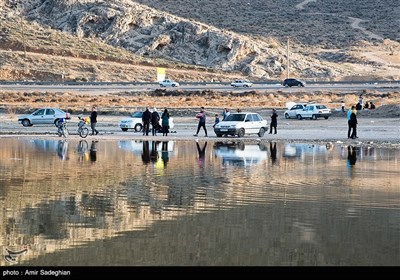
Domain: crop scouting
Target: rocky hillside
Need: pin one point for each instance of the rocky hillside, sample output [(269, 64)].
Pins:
[(197, 33)]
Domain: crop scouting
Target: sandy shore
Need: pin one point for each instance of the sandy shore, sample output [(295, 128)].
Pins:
[(371, 131)]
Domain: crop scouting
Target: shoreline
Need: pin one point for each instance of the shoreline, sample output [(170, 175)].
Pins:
[(377, 132)]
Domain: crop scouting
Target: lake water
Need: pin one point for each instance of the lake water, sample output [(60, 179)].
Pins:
[(186, 203)]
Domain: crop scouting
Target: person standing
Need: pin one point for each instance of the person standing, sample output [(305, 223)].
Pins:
[(353, 124), (274, 121), (216, 120), (155, 122), (202, 121), (225, 113), (165, 122), (349, 112), (93, 121), (146, 117)]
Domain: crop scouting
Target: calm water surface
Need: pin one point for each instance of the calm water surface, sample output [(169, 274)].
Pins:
[(187, 203)]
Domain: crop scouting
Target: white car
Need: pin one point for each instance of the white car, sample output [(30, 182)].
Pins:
[(168, 83), (44, 116), (135, 122), (308, 111), (240, 124), (241, 83)]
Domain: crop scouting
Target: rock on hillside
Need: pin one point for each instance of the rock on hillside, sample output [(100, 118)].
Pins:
[(148, 32)]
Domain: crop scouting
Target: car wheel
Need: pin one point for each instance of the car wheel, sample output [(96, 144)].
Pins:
[(246, 86), (299, 85), (241, 132), (299, 117), (286, 116), (326, 118), (219, 135), (286, 85), (314, 117), (138, 127), (261, 132), (124, 129), (173, 85), (26, 122)]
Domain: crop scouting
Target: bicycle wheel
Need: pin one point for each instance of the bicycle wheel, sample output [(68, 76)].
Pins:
[(83, 132)]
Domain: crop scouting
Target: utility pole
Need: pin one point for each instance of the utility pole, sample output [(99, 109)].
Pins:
[(287, 60)]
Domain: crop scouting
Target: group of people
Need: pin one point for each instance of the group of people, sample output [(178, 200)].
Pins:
[(153, 118)]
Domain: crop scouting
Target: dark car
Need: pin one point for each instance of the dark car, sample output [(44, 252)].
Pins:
[(293, 83)]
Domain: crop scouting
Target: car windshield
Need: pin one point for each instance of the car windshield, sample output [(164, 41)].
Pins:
[(235, 118), (137, 115)]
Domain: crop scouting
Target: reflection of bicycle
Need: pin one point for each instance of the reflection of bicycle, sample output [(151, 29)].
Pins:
[(83, 131), (62, 129)]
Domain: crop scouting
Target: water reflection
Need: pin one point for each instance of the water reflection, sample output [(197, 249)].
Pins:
[(238, 209), (201, 154), (93, 151), (62, 149), (239, 153)]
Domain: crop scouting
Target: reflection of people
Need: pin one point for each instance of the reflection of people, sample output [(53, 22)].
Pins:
[(202, 121), (273, 152), (164, 153), (202, 153), (146, 152), (62, 148), (93, 151), (351, 155), (154, 152), (93, 120), (274, 121)]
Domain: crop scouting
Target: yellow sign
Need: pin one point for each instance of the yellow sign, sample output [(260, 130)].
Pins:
[(160, 74)]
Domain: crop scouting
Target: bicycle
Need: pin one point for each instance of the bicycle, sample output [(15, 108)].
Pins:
[(83, 131), (62, 129)]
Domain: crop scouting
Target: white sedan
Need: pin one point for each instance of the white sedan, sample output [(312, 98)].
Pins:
[(240, 124), (135, 122), (241, 83), (168, 83)]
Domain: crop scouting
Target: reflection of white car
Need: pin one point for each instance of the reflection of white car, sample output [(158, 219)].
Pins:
[(240, 124), (135, 122), (308, 111), (168, 83), (241, 83), (301, 150), (239, 153)]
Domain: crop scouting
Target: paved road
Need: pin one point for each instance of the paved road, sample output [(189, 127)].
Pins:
[(109, 88)]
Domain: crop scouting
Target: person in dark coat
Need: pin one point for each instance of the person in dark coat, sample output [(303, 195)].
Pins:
[(274, 121), (155, 122), (146, 118), (93, 121), (165, 122), (353, 124)]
